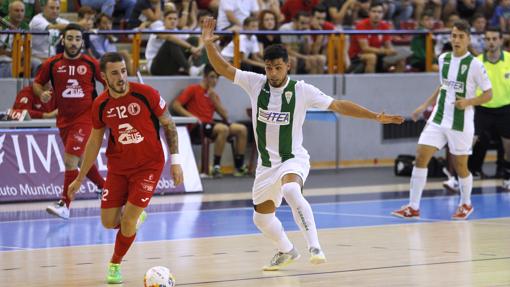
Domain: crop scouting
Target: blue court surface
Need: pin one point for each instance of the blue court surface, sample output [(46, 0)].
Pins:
[(35, 229)]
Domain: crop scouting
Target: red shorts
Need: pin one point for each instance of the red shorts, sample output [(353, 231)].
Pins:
[(75, 138), (136, 187)]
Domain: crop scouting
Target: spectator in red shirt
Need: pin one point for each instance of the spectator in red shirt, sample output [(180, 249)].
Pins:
[(375, 51), (291, 7), (201, 101), (27, 100)]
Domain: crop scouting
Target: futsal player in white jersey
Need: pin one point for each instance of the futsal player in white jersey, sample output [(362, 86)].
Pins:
[(279, 107), (451, 121)]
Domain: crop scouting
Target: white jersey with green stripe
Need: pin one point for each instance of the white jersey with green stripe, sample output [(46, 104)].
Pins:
[(278, 115), (459, 77)]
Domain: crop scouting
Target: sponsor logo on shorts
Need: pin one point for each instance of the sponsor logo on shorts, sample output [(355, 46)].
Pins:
[(76, 148), (144, 199), (147, 187), (274, 118)]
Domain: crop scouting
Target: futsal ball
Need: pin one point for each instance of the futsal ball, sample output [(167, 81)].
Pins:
[(158, 276)]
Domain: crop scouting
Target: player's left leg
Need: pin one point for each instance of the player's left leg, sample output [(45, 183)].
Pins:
[(220, 135), (506, 163), (240, 133), (466, 185), (292, 185), (61, 208)]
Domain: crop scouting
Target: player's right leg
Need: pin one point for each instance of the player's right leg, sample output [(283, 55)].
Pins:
[(266, 221), (220, 135), (418, 180), (506, 163)]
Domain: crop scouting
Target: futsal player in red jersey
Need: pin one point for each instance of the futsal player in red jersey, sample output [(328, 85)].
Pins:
[(26, 100), (132, 113), (73, 78)]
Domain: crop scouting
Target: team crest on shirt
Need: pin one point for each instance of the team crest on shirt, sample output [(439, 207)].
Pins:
[(82, 70), (134, 109), (463, 69), (507, 76), (288, 96)]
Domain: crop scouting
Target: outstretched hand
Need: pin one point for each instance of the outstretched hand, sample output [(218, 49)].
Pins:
[(389, 119), (208, 31)]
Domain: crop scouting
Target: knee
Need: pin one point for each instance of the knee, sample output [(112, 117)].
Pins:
[(266, 207), (221, 130), (109, 223), (128, 226), (292, 193), (370, 59), (239, 130)]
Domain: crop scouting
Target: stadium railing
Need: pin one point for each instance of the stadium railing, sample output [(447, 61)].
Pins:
[(21, 48)]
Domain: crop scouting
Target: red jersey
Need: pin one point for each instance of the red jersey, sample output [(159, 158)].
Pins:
[(134, 127), (195, 99), (74, 86), (292, 7), (374, 40), (27, 100)]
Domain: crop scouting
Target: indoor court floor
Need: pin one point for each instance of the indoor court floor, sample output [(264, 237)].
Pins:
[(210, 240)]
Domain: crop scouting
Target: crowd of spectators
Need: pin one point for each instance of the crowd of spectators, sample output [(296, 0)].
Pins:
[(182, 54)]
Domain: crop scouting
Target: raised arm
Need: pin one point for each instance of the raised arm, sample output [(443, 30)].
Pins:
[(219, 64), (354, 110), (90, 155)]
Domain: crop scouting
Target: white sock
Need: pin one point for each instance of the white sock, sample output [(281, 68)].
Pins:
[(418, 181), (466, 185), (302, 212), (272, 228)]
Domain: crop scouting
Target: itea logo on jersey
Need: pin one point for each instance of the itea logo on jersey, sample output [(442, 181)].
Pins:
[(274, 118), (458, 87)]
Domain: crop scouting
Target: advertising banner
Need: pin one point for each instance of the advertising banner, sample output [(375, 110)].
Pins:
[(32, 166)]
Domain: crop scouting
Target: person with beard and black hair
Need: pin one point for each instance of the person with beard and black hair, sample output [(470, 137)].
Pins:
[(73, 78)]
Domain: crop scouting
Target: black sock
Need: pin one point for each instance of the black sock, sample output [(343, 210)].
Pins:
[(239, 161), (217, 159)]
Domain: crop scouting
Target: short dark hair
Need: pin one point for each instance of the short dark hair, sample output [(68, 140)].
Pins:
[(319, 8), (110, 57), (248, 20), (463, 26), (376, 4), (276, 51), (207, 69), (495, 30), (71, 27), (85, 10), (301, 14)]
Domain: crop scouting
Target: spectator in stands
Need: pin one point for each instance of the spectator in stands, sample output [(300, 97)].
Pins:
[(273, 6), (376, 52), (189, 11), (338, 10), (421, 6), (167, 54), (465, 8), (101, 43), (32, 7), (291, 8), (44, 46), (210, 5), (443, 40), (15, 20), (268, 21), (318, 22), (201, 101), (86, 17), (231, 13), (27, 100), (146, 12), (300, 46), (478, 25), (398, 11), (501, 16), (418, 56), (251, 55), (108, 6)]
